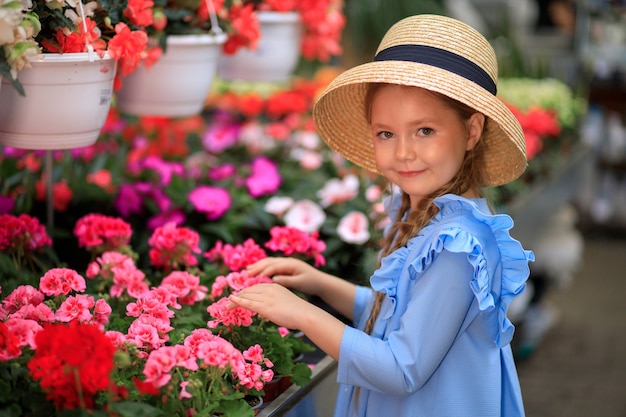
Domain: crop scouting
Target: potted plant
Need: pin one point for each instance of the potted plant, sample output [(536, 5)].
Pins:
[(191, 34), (70, 50), (290, 31), (17, 40)]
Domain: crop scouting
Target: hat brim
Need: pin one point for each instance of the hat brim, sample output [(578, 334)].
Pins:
[(339, 115)]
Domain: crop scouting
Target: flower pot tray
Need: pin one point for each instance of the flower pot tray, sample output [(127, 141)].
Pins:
[(317, 398)]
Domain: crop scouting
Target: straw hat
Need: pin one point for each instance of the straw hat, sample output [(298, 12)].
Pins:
[(433, 52)]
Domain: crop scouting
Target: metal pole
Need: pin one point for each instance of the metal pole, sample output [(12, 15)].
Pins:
[(49, 183)]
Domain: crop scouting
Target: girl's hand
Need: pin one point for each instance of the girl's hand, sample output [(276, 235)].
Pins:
[(279, 305), (289, 272), (273, 302), (300, 276)]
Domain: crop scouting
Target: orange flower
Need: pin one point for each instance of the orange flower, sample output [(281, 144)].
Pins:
[(139, 12), (102, 179), (246, 26), (251, 104), (128, 47)]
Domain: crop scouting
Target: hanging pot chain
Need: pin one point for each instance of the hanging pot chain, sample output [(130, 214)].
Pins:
[(215, 27)]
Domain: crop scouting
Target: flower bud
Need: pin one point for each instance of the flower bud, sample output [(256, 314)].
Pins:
[(159, 20)]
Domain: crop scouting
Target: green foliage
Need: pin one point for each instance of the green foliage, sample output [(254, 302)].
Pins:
[(369, 20)]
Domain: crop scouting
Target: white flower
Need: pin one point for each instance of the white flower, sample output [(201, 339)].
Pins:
[(354, 228), (309, 160), (278, 205), (305, 215), (336, 190), (253, 136), (307, 139), (18, 27)]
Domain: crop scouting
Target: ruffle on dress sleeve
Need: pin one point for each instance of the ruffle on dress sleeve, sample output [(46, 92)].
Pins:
[(385, 279), (455, 237)]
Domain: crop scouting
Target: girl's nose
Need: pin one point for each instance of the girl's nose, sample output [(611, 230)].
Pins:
[(405, 149)]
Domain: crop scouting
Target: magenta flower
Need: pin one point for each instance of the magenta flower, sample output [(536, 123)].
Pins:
[(128, 201), (6, 204), (221, 136), (222, 172), (212, 201), (164, 169), (176, 216), (265, 178)]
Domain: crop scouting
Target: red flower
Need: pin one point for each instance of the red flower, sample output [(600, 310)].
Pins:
[(285, 102), (251, 105), (72, 364), (9, 347), (62, 194), (77, 40), (22, 234), (147, 388), (542, 122)]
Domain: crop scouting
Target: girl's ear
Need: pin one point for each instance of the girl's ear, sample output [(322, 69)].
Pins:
[(475, 126)]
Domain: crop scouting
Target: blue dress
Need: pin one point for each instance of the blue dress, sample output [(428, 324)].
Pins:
[(441, 344)]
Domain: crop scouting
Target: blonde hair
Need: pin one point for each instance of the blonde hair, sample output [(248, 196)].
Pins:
[(469, 177)]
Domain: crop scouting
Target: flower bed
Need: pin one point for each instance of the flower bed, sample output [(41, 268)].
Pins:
[(159, 219), (171, 211)]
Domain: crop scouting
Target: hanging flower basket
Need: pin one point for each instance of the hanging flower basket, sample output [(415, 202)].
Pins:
[(277, 54), (68, 97), (178, 83)]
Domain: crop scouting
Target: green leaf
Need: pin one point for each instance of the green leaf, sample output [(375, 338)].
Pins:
[(135, 409)]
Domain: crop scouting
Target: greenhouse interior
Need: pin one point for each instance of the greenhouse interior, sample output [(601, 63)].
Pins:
[(184, 148)]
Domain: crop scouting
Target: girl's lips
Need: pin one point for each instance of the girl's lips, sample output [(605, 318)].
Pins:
[(409, 174)]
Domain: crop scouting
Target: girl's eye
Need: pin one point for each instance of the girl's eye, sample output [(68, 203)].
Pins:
[(425, 131), (384, 134)]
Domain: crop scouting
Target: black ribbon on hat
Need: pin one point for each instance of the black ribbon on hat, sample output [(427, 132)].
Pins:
[(439, 58)]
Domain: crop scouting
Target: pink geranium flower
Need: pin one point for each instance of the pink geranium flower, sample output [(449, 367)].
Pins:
[(171, 247), (354, 228), (76, 308), (237, 316), (236, 257), (186, 287), (292, 241), (100, 233), (61, 281)]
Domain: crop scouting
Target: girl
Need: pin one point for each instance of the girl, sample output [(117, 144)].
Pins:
[(431, 336)]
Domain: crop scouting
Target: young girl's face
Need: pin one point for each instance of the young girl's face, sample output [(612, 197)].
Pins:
[(419, 141)]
